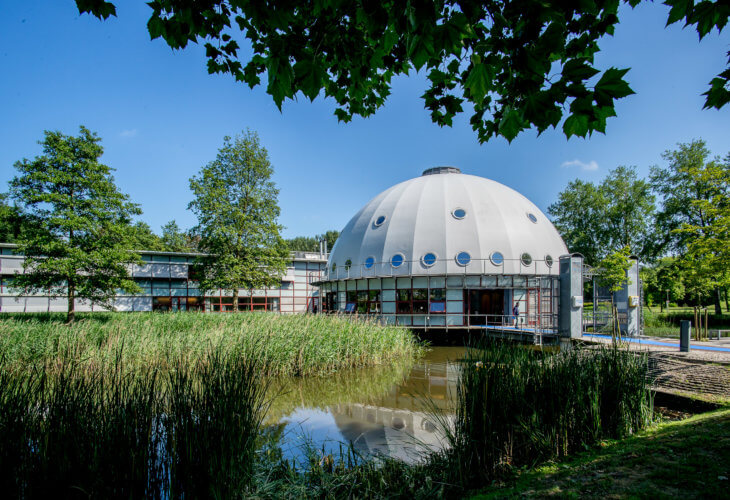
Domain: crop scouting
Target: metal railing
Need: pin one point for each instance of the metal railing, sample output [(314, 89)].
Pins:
[(537, 267)]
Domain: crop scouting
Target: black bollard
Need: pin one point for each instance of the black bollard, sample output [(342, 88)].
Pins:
[(685, 330)]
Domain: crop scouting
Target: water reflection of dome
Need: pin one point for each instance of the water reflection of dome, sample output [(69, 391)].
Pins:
[(396, 433)]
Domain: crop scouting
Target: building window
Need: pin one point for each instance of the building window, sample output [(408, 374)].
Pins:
[(351, 302), (497, 258), (379, 221), (532, 217), (334, 267), (463, 259), (369, 262), (526, 259), (429, 259), (403, 301), (374, 302), (397, 260), (549, 261), (420, 300), (459, 213), (437, 301), (348, 264)]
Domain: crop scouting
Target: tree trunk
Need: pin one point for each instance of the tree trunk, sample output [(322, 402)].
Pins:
[(71, 315), (727, 302), (718, 307)]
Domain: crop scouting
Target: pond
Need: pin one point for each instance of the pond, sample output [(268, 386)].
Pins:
[(386, 410)]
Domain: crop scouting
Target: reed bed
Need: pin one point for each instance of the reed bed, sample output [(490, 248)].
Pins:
[(518, 407), (191, 431), (300, 345)]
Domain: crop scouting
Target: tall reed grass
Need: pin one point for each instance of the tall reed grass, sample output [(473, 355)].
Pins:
[(518, 407), (283, 344), (191, 431)]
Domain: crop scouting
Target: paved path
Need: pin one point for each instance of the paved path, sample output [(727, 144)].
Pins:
[(705, 370)]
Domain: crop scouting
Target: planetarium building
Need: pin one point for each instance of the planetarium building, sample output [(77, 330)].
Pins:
[(447, 250)]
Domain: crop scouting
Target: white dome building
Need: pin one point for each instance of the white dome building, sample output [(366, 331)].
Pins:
[(447, 249)]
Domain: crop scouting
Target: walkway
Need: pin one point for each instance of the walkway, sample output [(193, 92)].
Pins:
[(705, 370)]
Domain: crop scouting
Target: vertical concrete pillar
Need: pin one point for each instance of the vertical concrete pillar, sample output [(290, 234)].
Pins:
[(628, 303), (570, 315)]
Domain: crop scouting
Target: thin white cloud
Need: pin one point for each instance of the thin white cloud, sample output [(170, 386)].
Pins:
[(128, 133), (591, 165)]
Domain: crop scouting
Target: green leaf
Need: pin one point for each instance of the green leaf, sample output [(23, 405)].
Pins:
[(478, 82), (612, 84), (578, 70), (576, 124), (511, 124)]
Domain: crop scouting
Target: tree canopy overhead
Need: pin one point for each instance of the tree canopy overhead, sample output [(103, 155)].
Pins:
[(515, 64)]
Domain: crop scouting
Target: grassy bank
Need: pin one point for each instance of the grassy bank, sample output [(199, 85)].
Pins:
[(685, 459), (282, 344), (666, 324)]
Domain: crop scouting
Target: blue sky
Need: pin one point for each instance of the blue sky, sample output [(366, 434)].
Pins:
[(162, 117)]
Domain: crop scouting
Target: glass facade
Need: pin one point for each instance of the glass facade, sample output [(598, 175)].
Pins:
[(449, 301), (168, 282)]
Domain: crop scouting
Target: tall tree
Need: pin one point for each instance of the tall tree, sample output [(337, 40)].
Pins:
[(597, 220), (693, 217), (517, 64), (311, 243), (575, 215), (13, 222), (237, 209), (82, 244), (143, 238), (176, 240)]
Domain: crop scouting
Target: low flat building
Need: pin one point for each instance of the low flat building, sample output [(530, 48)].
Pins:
[(168, 284)]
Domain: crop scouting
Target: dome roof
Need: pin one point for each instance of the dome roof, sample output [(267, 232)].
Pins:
[(447, 222)]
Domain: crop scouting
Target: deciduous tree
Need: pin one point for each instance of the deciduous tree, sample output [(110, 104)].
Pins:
[(311, 243), (176, 240), (236, 205), (597, 220), (694, 221), (513, 64), (81, 246)]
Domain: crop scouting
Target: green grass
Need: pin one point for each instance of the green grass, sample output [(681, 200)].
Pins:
[(301, 345), (683, 459), (666, 324)]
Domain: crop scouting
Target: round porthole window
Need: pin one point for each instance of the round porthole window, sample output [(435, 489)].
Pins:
[(497, 258), (334, 266), (429, 259), (379, 221), (548, 261), (348, 264), (526, 259), (369, 262), (532, 217), (463, 258), (459, 213), (397, 260)]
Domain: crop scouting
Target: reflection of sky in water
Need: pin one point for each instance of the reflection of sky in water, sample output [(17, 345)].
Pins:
[(396, 423)]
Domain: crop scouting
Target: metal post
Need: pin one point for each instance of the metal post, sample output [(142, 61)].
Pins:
[(685, 330)]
